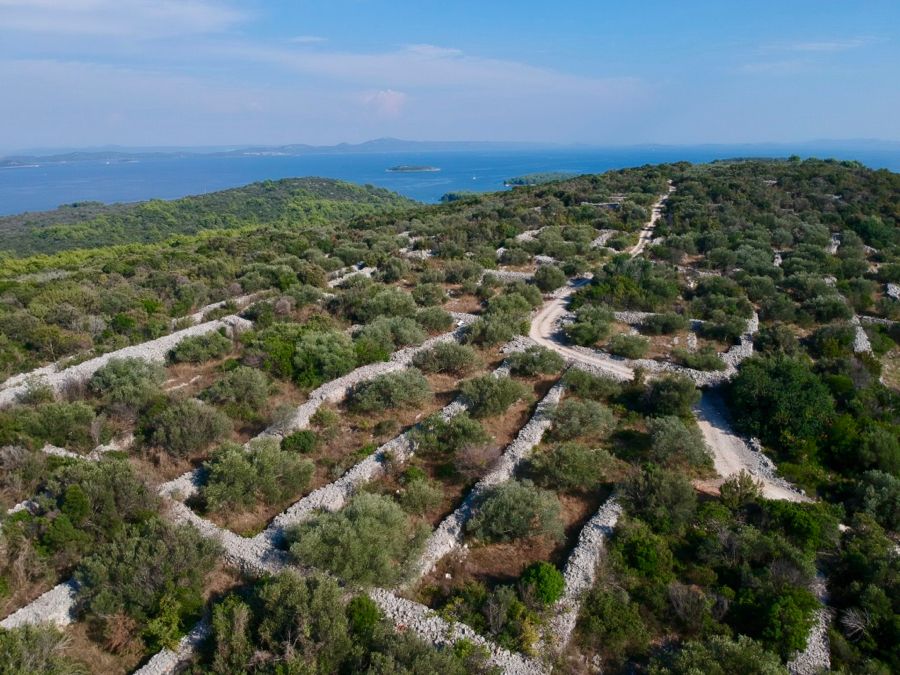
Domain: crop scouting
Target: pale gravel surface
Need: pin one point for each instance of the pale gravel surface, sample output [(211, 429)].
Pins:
[(56, 607), (816, 658), (154, 350), (424, 622)]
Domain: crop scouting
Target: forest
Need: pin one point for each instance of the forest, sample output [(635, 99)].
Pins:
[(642, 421)]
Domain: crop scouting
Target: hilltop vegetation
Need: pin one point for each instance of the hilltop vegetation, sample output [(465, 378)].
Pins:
[(250, 428), (94, 225)]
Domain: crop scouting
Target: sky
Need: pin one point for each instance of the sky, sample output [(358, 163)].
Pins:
[(81, 73)]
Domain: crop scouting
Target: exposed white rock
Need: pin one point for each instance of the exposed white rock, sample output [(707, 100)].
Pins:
[(816, 658), (56, 606), (168, 661), (580, 572), (424, 622)]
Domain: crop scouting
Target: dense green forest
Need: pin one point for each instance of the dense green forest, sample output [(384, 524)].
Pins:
[(93, 225), (790, 265)]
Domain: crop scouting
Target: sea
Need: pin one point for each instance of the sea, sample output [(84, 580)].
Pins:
[(45, 186)]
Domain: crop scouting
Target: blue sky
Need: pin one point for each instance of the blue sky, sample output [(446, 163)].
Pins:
[(209, 72)]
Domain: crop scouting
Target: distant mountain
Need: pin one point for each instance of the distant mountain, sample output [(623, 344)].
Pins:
[(378, 145)]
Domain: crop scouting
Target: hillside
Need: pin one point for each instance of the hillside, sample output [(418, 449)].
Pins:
[(642, 421), (94, 225)]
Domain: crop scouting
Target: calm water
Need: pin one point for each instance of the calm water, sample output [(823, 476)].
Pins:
[(45, 187)]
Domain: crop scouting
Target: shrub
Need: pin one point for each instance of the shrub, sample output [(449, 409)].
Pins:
[(182, 427), (419, 495), (720, 655), (200, 348), (570, 466), (436, 436), (592, 323), (878, 494), (587, 385), (149, 569), (303, 441), (704, 358), (535, 360), (514, 510), (664, 324), (544, 581), (664, 499), (447, 357), (370, 541), (322, 356), (73, 426), (243, 390), (488, 395), (377, 340), (495, 329), (363, 617), (404, 389), (671, 395), (609, 622), (434, 319), (549, 278), (674, 442), (238, 478), (429, 294), (628, 346), (37, 649), (740, 490), (573, 418), (128, 383)]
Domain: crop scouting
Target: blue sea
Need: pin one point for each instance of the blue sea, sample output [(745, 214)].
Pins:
[(41, 187)]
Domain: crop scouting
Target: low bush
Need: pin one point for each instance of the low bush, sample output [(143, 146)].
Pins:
[(665, 323), (303, 441), (515, 510), (419, 494), (127, 384), (434, 319), (238, 479), (244, 391), (429, 294), (611, 624), (404, 389), (573, 418), (487, 395), (182, 427), (587, 385), (320, 356), (549, 278), (447, 357), (670, 395), (378, 340), (544, 581), (664, 499), (705, 358), (200, 348), (673, 442), (370, 541), (628, 346), (592, 323), (570, 466), (439, 437), (152, 572), (37, 649), (535, 360)]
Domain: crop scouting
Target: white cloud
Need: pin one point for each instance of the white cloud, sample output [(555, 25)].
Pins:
[(386, 102), (121, 18), (307, 39), (821, 46)]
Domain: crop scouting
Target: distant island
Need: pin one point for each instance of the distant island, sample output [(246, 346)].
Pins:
[(538, 178), (412, 168)]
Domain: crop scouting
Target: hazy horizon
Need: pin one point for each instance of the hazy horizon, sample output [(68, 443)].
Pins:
[(194, 73)]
